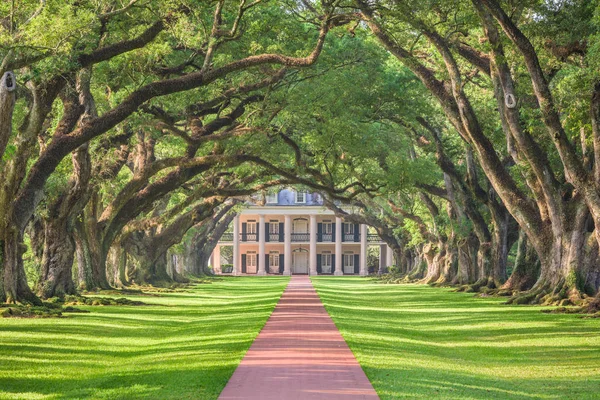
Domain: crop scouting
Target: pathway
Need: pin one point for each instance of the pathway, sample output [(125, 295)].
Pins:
[(299, 354)]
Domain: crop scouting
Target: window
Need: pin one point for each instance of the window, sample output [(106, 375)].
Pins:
[(272, 198), (348, 260), (274, 227), (251, 259), (251, 227), (274, 259), (300, 225), (327, 228), (348, 228), (300, 197)]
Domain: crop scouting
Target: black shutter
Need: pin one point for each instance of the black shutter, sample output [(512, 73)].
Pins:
[(356, 264), (267, 263), (281, 231), (333, 263), (281, 263), (319, 269), (343, 232), (243, 263), (333, 226), (319, 232), (267, 234), (356, 231), (244, 230), (257, 230)]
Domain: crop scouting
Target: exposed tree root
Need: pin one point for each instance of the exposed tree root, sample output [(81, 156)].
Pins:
[(562, 295), (76, 300), (589, 306), (47, 310)]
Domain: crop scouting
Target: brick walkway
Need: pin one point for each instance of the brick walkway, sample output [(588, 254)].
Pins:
[(299, 354)]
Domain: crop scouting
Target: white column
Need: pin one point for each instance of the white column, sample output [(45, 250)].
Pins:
[(237, 259), (287, 245), (382, 252), (338, 246), (389, 256), (363, 250), (262, 268), (313, 245), (216, 259)]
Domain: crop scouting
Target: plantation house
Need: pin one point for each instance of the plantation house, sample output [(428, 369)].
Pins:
[(293, 233)]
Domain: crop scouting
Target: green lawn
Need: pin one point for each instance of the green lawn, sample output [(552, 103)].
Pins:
[(183, 346), (416, 341)]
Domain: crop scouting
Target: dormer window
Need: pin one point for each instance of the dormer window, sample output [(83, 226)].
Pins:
[(271, 198), (300, 197)]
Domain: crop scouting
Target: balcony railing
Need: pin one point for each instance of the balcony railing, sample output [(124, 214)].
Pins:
[(274, 237), (227, 237), (349, 237), (300, 237), (372, 237), (327, 237), (249, 237)]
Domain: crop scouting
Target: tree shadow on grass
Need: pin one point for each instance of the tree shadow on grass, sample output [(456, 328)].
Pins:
[(186, 350), (415, 341), (179, 383)]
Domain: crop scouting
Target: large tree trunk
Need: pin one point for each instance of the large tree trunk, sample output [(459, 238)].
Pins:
[(90, 259), (563, 268), (467, 261), (117, 264), (13, 282), (150, 270), (15, 287), (150, 265), (434, 256), (57, 261), (198, 252), (419, 265), (59, 245), (526, 268), (448, 265)]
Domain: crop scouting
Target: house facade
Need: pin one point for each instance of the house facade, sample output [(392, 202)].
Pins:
[(293, 233)]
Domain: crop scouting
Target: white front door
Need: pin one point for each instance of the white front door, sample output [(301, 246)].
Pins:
[(300, 263), (348, 263), (251, 263)]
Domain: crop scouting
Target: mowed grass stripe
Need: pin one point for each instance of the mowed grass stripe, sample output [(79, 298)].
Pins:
[(183, 346), (416, 341)]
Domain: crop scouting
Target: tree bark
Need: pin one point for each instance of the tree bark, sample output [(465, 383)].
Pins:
[(59, 244), (7, 106), (526, 268), (15, 287), (90, 257), (57, 261)]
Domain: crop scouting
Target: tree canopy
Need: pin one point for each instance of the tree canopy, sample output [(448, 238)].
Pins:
[(465, 132)]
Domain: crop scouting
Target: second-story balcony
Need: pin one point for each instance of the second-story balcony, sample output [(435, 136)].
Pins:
[(326, 237), (301, 237), (275, 237), (373, 238), (249, 237), (351, 237)]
